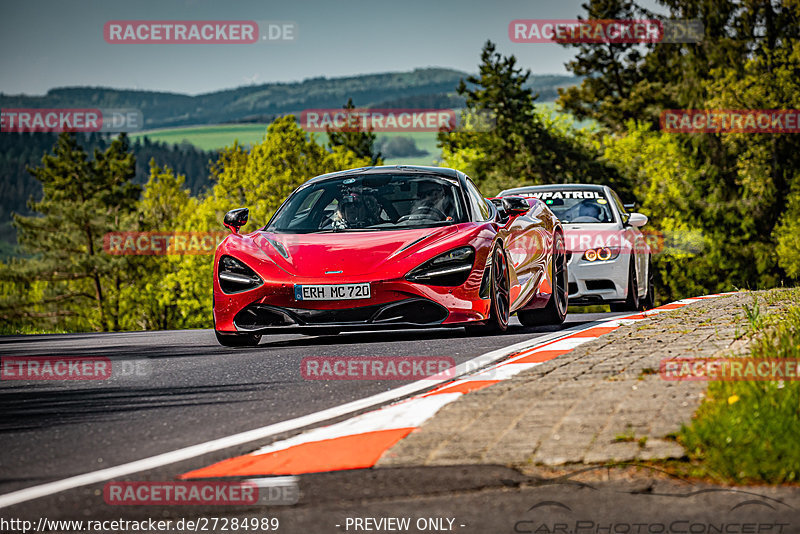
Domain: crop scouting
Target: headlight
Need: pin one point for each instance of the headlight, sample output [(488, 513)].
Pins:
[(235, 276), (601, 254), (449, 269)]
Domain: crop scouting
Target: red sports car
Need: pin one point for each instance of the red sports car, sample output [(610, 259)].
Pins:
[(390, 247)]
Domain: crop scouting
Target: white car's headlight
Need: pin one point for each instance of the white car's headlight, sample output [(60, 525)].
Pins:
[(601, 254)]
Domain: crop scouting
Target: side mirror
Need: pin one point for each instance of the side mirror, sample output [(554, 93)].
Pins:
[(637, 219), (235, 219), (498, 203), (515, 206)]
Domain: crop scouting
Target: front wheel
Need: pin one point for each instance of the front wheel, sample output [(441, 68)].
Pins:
[(237, 340), (555, 312), (501, 298), (632, 301)]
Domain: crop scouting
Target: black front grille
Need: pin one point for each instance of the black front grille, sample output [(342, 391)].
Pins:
[(586, 300), (419, 311), (407, 312), (348, 315), (593, 285)]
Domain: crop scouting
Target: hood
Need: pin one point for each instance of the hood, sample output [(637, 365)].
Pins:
[(352, 253)]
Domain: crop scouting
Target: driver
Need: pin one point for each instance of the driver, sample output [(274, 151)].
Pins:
[(432, 199), (355, 211), (590, 209)]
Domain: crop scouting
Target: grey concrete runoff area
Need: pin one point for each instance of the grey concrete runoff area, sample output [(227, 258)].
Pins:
[(604, 401)]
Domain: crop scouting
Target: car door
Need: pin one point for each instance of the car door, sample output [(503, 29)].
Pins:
[(527, 244), (512, 234)]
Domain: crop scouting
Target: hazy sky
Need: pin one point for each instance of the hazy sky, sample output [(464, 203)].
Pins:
[(48, 44)]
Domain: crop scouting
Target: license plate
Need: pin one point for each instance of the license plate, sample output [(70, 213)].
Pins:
[(332, 292)]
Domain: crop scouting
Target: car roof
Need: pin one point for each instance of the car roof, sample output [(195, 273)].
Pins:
[(554, 187), (394, 169)]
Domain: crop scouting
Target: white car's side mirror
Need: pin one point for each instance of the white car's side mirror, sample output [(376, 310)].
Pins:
[(637, 219)]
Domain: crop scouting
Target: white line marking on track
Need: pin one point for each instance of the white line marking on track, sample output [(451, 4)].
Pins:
[(501, 372), (395, 416)]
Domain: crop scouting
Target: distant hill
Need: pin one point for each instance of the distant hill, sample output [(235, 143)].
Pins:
[(429, 87), (259, 104)]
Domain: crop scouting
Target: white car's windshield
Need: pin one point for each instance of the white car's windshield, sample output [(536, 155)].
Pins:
[(574, 206), (371, 202)]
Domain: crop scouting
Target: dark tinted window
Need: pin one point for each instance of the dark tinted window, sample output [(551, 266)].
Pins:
[(578, 206), (620, 206), (372, 202), (480, 206)]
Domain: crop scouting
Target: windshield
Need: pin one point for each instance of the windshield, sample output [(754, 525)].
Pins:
[(372, 202), (576, 206)]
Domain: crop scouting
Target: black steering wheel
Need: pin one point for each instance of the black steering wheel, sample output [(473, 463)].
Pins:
[(420, 213)]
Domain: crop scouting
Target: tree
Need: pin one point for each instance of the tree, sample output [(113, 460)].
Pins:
[(662, 174), (615, 96), (150, 303), (639, 80), (82, 201), (359, 142), (523, 145), (787, 237)]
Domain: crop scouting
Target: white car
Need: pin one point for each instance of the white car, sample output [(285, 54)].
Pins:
[(608, 255)]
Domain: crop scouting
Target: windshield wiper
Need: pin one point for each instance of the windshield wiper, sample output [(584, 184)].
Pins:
[(337, 230)]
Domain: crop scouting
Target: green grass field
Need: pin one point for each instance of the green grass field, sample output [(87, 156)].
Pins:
[(211, 137), (216, 137)]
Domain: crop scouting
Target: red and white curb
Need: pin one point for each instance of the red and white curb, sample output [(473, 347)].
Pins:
[(360, 441)]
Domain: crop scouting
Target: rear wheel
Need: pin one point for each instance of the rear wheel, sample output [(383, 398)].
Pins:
[(238, 340), (556, 309), (632, 301), (500, 298)]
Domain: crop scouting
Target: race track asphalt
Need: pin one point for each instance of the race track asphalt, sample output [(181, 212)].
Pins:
[(181, 388)]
